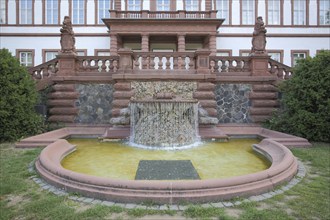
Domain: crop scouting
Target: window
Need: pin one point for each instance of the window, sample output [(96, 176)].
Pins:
[(25, 57), (324, 12), (297, 55), (103, 10), (3, 12), (276, 55), (163, 5), (50, 55), (299, 12), (248, 11), (223, 10), (51, 11), (274, 12), (192, 5), (78, 11), (25, 11), (133, 5)]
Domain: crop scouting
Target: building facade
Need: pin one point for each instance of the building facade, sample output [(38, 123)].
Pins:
[(295, 28)]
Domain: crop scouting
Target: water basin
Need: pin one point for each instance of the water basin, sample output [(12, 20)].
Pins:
[(212, 160)]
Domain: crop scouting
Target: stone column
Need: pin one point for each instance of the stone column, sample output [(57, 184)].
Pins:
[(259, 65), (145, 43), (181, 43), (202, 61), (125, 60), (67, 64), (113, 44), (213, 44)]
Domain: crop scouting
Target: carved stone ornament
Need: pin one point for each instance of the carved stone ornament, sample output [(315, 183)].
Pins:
[(67, 37), (259, 38)]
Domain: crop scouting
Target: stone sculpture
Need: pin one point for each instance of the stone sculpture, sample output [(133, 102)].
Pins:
[(67, 37), (259, 38)]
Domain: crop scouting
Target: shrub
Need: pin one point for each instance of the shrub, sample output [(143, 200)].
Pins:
[(18, 98), (305, 108)]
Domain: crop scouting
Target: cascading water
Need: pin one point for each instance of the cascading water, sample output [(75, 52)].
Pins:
[(164, 123)]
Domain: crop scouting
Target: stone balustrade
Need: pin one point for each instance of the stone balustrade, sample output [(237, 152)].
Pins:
[(280, 70), (164, 60), (146, 14), (44, 70), (97, 64), (220, 64)]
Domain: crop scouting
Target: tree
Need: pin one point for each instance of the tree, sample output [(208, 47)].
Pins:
[(18, 97), (305, 108)]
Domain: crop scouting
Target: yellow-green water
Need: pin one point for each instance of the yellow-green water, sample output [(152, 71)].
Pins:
[(118, 161)]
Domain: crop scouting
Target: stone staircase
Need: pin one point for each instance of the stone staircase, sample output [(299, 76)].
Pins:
[(264, 101)]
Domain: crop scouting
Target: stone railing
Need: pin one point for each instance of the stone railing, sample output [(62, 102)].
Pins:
[(97, 64), (164, 60), (44, 70), (145, 14), (278, 69), (220, 64)]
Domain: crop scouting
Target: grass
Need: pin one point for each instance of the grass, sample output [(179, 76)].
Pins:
[(21, 198)]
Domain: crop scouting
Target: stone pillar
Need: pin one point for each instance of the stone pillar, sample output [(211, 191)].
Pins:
[(213, 45), (202, 61), (145, 43), (259, 65), (113, 44), (67, 64), (125, 60), (181, 43)]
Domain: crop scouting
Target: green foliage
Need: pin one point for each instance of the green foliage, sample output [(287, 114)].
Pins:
[(18, 98), (306, 102)]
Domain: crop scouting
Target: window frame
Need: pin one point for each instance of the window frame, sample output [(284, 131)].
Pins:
[(306, 13), (18, 55), (44, 14), (229, 11), (281, 2), (255, 12), (5, 12), (81, 51), (126, 5), (281, 52), (319, 14), (199, 2), (306, 52), (18, 13), (71, 12)]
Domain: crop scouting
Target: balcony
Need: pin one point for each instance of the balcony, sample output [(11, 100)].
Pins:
[(161, 65), (146, 14)]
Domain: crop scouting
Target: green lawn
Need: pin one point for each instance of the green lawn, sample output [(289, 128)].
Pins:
[(21, 198)]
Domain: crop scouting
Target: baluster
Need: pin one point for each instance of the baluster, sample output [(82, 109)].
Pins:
[(115, 65), (212, 64), (180, 63), (168, 62), (152, 61), (216, 66), (175, 62), (230, 66), (137, 63), (224, 66), (144, 62), (191, 63), (160, 63)]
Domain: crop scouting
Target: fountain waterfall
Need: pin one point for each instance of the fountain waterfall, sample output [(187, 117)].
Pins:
[(164, 123)]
